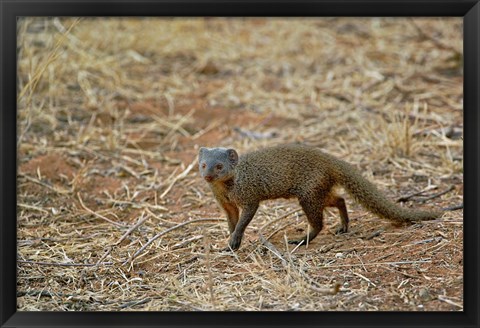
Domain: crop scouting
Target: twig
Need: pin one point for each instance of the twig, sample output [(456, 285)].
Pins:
[(41, 293), (127, 169), (178, 126), (279, 229), (136, 205), (64, 264), (446, 300), (134, 303), (364, 278), (96, 214), (31, 207), (424, 241), (211, 126), (443, 221), (374, 234), (377, 263), (407, 197), (185, 242), (384, 256), (278, 219), (179, 177), (129, 231), (255, 135), (453, 208), (296, 247), (105, 255), (272, 249), (164, 233), (314, 285), (46, 185), (159, 218), (427, 197), (190, 260), (437, 194)]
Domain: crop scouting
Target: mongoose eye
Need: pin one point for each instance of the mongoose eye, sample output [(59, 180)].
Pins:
[(204, 165), (219, 166)]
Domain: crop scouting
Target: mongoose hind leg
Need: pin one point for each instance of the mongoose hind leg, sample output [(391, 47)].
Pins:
[(247, 215), (313, 208), (339, 202)]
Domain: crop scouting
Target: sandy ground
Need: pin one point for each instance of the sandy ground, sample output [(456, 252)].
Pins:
[(111, 116)]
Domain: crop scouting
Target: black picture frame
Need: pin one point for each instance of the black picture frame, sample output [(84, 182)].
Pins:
[(10, 10)]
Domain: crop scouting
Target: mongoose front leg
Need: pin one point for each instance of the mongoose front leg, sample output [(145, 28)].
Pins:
[(339, 202), (232, 215), (247, 215)]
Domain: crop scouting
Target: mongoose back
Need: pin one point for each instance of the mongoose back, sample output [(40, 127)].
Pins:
[(290, 171)]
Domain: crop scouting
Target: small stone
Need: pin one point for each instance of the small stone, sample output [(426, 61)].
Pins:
[(425, 294), (209, 68)]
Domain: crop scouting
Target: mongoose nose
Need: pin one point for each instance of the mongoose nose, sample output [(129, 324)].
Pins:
[(209, 178)]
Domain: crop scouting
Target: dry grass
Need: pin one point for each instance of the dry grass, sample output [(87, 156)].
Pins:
[(112, 214)]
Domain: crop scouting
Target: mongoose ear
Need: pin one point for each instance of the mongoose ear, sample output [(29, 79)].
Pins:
[(201, 151), (232, 156)]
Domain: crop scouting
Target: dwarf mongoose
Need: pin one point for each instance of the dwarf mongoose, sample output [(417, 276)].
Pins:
[(291, 171)]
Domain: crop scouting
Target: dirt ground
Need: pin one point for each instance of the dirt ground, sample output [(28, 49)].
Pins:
[(113, 215)]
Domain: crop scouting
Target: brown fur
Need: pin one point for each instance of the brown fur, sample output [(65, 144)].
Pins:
[(292, 171)]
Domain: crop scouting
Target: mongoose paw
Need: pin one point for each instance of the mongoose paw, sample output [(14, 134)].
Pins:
[(296, 241), (235, 242), (225, 249), (340, 230)]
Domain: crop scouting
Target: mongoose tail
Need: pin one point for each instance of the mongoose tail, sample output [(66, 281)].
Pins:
[(372, 199)]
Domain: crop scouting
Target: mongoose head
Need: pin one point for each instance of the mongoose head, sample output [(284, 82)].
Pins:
[(217, 164)]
